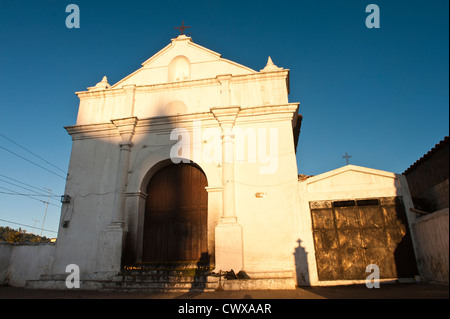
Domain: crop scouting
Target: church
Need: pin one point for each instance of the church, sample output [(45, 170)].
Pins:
[(190, 162)]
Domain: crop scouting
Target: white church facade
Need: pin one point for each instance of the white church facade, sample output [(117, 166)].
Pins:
[(191, 159)]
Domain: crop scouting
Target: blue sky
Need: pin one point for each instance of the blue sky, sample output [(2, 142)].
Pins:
[(379, 94)]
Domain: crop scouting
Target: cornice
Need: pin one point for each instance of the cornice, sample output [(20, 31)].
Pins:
[(165, 124), (234, 79), (101, 130)]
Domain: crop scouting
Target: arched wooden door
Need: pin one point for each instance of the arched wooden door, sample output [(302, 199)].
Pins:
[(175, 223)]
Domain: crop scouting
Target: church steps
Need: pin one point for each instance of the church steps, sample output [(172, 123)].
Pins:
[(172, 286), (163, 278), (148, 285), (153, 280), (169, 280), (160, 272)]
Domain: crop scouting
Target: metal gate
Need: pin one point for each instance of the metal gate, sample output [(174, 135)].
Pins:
[(351, 234)]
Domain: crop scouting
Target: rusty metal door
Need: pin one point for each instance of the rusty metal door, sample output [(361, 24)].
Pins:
[(351, 234), (175, 225)]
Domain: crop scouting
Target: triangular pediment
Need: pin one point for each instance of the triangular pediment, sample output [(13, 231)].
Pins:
[(182, 60), (351, 177)]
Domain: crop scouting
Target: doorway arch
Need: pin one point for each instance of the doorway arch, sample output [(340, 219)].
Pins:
[(176, 215)]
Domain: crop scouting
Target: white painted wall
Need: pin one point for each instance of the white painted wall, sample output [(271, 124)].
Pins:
[(5, 256), (25, 261), (433, 245)]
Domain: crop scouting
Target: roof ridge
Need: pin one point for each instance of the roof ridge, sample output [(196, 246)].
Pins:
[(437, 147)]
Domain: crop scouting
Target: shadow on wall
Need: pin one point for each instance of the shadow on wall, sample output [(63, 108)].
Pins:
[(172, 110), (404, 256), (93, 185), (301, 265)]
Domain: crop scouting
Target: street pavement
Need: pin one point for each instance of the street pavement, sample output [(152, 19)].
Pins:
[(386, 291)]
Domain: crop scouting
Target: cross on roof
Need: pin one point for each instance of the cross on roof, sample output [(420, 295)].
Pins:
[(182, 27), (346, 156)]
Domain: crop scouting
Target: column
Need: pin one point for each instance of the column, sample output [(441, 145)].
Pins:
[(121, 181), (228, 190), (112, 238), (228, 233)]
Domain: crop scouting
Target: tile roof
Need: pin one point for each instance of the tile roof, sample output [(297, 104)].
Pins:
[(436, 148)]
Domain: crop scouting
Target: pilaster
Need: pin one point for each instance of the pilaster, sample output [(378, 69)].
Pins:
[(228, 233), (112, 238)]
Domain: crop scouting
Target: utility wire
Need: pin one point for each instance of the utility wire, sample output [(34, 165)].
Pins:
[(38, 188), (24, 148), (28, 195), (25, 195), (7, 221), (25, 188), (32, 162)]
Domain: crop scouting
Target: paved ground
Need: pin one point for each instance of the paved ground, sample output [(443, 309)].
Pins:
[(386, 291)]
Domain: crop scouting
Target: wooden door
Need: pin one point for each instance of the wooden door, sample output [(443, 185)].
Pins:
[(349, 235), (175, 226)]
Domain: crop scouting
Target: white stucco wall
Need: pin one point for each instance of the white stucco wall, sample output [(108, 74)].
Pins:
[(433, 245), (91, 186), (5, 256), (25, 261)]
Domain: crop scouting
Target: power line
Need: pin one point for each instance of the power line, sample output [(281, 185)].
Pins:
[(25, 188), (38, 188), (25, 195), (28, 195), (7, 221), (32, 162), (24, 148)]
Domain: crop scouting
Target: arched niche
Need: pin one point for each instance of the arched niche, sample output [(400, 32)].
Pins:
[(179, 69), (175, 107)]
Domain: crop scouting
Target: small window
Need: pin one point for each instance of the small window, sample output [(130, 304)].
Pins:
[(344, 203), (368, 202)]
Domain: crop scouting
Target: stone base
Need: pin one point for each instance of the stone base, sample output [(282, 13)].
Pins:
[(110, 249), (229, 247), (262, 280)]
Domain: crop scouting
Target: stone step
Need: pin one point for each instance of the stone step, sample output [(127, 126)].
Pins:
[(125, 285), (164, 272), (159, 290), (165, 278), (148, 279), (61, 284), (161, 286), (259, 284)]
